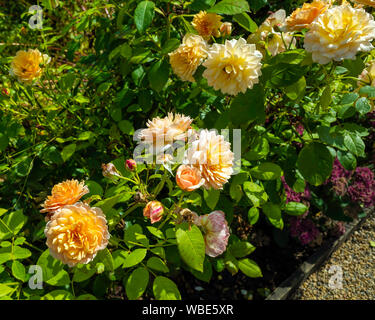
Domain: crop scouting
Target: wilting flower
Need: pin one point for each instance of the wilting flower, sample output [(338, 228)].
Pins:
[(153, 210), (268, 35), (302, 17), (226, 29), (189, 178), (130, 164), (370, 3), (188, 57), (367, 77), (233, 67), (109, 170), (339, 33), (161, 133), (26, 65), (215, 232), (212, 156), (76, 233), (64, 193), (207, 24)]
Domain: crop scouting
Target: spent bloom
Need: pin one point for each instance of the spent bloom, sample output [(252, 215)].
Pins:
[(233, 67), (367, 77), (25, 66), (153, 210), (207, 24), (215, 232), (339, 33), (212, 156), (162, 132), (64, 193), (268, 35), (302, 17), (109, 170), (75, 233), (189, 178), (188, 57)]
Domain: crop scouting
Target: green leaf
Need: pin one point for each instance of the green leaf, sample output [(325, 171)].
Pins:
[(19, 271), (143, 15), (266, 171), (52, 269), (250, 268), (156, 232), (211, 197), (83, 272), (230, 7), (170, 45), (191, 245), (86, 296), (15, 221), (245, 22), (253, 215), (4, 141), (165, 289), (104, 256), (273, 213), (347, 159), (94, 188), (126, 127), (241, 249), (135, 234), (157, 264), (199, 5), (135, 257), (158, 75), (363, 106), (137, 283), (81, 99), (296, 90), (259, 148), (249, 105), (207, 271), (58, 295), (315, 163), (295, 208), (255, 193), (68, 151), (4, 290)]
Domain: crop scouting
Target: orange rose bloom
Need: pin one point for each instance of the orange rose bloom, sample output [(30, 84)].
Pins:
[(76, 233), (26, 65), (303, 17), (189, 178), (64, 193)]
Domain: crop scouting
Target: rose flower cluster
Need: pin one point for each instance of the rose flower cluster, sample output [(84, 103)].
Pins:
[(75, 231), (207, 162)]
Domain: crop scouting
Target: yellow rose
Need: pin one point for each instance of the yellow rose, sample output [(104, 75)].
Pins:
[(26, 65), (207, 24), (76, 233)]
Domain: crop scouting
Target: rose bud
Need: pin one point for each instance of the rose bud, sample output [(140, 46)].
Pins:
[(5, 92), (130, 164), (188, 178), (109, 170), (226, 29), (153, 210)]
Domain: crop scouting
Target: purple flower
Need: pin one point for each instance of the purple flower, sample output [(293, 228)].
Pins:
[(303, 229), (362, 188)]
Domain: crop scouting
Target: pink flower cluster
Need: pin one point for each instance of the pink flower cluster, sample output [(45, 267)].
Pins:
[(304, 230), (362, 188), (358, 184)]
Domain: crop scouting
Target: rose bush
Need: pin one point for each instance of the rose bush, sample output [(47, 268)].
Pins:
[(133, 133)]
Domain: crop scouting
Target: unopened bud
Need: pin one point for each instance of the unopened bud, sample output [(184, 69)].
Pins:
[(130, 164), (153, 210), (226, 29), (5, 92)]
